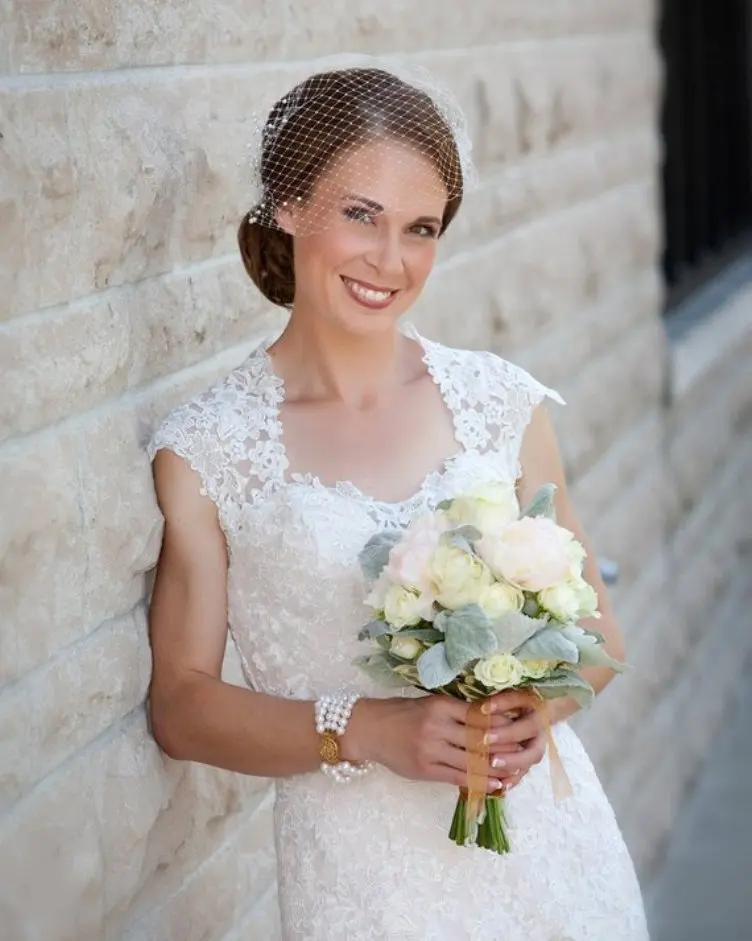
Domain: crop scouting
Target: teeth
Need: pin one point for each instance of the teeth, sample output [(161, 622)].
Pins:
[(367, 293)]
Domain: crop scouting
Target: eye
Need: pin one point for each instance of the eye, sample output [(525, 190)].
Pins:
[(425, 231), (358, 214)]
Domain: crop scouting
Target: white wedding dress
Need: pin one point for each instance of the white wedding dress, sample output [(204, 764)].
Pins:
[(371, 861)]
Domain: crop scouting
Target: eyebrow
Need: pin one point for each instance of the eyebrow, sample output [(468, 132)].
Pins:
[(377, 207)]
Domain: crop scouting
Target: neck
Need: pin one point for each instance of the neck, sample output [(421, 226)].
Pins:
[(322, 362)]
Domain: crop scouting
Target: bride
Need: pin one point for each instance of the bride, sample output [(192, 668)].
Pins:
[(271, 483)]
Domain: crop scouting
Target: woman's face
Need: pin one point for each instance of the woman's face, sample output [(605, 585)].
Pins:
[(365, 242)]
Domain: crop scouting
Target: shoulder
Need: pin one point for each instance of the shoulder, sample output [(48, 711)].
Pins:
[(208, 428), (484, 376)]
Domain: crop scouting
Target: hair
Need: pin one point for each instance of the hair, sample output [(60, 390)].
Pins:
[(334, 112)]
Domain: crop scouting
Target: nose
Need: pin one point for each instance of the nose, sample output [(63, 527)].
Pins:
[(385, 253)]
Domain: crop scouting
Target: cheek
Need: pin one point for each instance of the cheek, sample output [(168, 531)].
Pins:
[(419, 261)]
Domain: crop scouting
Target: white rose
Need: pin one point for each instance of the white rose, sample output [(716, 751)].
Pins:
[(488, 507), (499, 671), (500, 598), (537, 669), (570, 600), (407, 648), (588, 599), (458, 577), (404, 608), (577, 557)]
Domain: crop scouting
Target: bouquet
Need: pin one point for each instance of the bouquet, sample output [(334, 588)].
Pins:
[(474, 598)]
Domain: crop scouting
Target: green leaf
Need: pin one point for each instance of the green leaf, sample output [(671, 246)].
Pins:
[(434, 669), (428, 634), (468, 636), (512, 630), (566, 683), (549, 644), (375, 554), (373, 629), (592, 652), (464, 537), (542, 503), (377, 667), (444, 505)]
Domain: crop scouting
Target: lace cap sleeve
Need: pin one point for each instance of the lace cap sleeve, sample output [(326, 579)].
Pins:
[(501, 398), (190, 431)]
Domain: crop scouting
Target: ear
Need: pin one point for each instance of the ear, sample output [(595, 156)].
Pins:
[(285, 217)]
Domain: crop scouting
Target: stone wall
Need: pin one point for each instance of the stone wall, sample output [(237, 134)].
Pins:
[(123, 150)]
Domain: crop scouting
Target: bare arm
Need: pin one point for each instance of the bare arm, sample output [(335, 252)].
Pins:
[(194, 714), (541, 463)]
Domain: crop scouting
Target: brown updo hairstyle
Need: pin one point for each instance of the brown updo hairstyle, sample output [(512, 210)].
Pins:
[(359, 104)]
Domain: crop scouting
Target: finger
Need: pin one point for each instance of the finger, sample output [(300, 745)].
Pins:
[(520, 731), (523, 760), (508, 700)]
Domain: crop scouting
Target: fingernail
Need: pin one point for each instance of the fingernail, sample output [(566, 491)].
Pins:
[(487, 708), (490, 738), (498, 762), (495, 785)]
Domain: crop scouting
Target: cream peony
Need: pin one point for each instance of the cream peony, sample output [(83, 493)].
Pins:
[(409, 559), (458, 578), (405, 608), (531, 553), (500, 671), (488, 507), (499, 599), (570, 601), (408, 648)]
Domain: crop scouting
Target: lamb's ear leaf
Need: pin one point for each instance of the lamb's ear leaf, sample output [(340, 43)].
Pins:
[(469, 636), (542, 503), (378, 668), (374, 556), (434, 669)]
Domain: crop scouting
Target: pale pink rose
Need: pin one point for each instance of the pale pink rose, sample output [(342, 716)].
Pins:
[(409, 560), (532, 553)]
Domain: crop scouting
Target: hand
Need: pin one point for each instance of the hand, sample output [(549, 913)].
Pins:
[(421, 739), (519, 741)]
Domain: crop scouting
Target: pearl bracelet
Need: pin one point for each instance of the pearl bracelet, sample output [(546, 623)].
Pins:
[(333, 712)]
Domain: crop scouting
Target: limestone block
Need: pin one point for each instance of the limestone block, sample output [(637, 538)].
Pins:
[(146, 173), (71, 358), (529, 99), (43, 551), (262, 920), (686, 719), (609, 396), (78, 868), (533, 279), (80, 529), (155, 844), (523, 190), (600, 488), (595, 330), (65, 704), (70, 35)]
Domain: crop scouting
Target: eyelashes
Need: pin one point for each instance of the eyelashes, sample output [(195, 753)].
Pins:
[(367, 217)]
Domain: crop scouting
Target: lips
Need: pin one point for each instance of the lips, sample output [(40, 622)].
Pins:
[(368, 295)]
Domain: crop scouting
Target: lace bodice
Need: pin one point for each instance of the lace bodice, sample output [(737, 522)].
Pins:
[(289, 534), (372, 861)]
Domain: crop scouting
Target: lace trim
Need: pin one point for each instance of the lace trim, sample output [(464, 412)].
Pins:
[(232, 435)]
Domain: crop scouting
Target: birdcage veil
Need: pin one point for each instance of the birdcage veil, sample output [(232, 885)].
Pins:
[(352, 111)]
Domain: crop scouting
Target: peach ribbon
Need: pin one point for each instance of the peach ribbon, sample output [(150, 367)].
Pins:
[(478, 723)]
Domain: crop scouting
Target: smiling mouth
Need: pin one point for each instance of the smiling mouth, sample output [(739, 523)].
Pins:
[(367, 295)]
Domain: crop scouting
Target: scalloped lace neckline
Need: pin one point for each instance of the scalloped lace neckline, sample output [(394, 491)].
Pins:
[(431, 482)]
